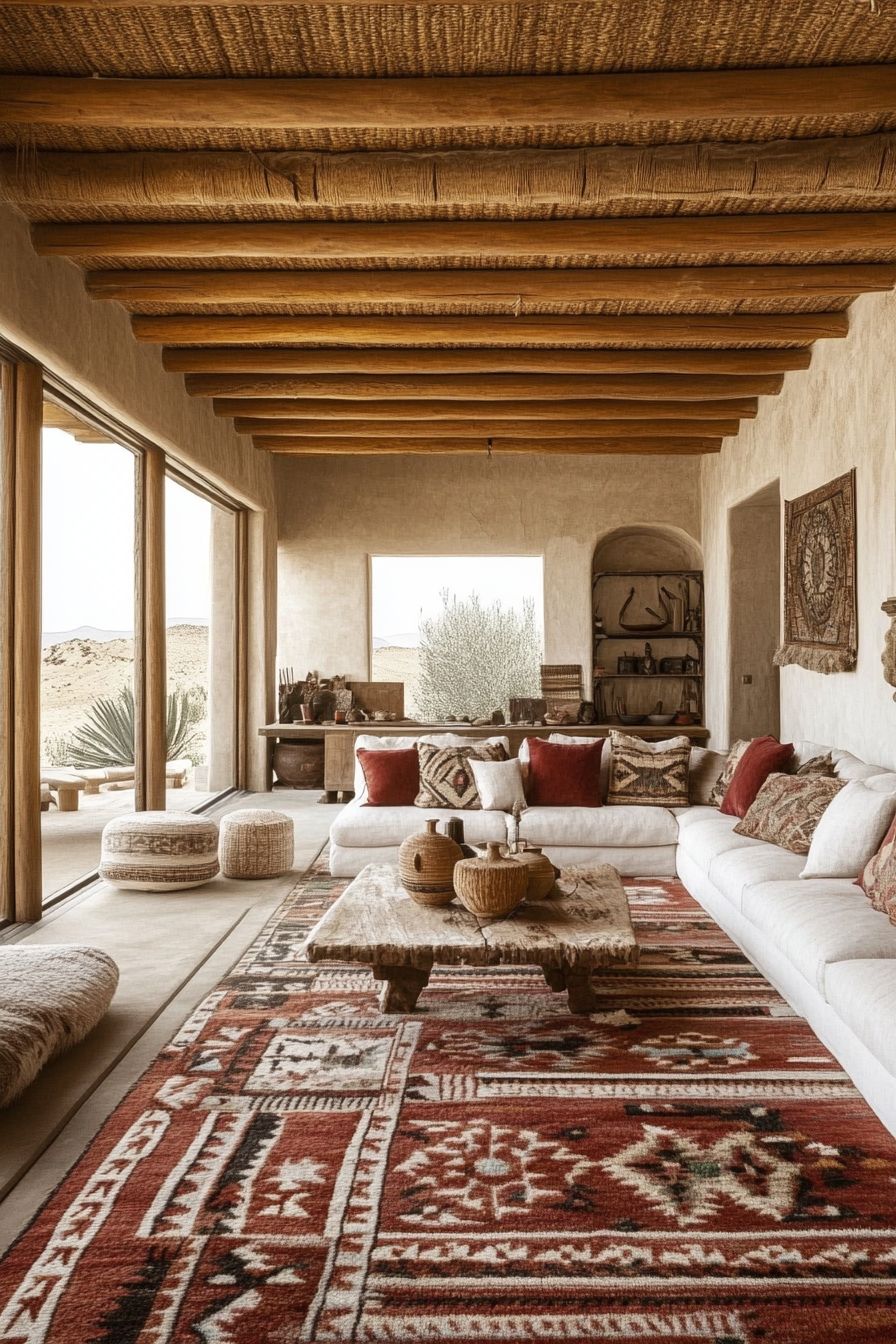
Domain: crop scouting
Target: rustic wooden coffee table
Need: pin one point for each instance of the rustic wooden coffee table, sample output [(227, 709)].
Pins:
[(585, 923)]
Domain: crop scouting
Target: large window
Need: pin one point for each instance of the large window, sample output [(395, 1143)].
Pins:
[(464, 633), (87, 665)]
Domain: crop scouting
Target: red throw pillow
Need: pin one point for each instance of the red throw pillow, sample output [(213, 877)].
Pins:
[(564, 776), (763, 757), (393, 777)]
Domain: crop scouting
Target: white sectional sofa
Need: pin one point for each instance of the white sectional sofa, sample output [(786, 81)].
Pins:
[(819, 941)]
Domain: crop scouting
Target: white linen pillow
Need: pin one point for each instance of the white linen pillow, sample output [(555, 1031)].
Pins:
[(499, 783), (851, 828)]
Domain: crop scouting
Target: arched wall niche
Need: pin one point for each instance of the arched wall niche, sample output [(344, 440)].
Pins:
[(646, 548)]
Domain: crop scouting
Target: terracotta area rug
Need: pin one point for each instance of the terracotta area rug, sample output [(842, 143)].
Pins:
[(689, 1164)]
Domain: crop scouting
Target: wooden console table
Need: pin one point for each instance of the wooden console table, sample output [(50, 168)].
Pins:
[(339, 740)]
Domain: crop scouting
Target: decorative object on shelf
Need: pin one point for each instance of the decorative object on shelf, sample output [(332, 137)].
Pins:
[(560, 683), (454, 829), (356, 715), (491, 887), (888, 657), (647, 664), (526, 710), (677, 607), (691, 665), (661, 618), (621, 711), (307, 713), (598, 626), (820, 616), (540, 872), (657, 717), (672, 667), (426, 865), (587, 712), (628, 665), (300, 764)]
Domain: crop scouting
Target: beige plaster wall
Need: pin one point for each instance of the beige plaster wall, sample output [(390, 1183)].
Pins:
[(839, 414), (335, 514), (46, 313)]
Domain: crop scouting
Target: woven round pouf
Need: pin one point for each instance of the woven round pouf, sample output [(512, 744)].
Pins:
[(159, 851), (256, 844)]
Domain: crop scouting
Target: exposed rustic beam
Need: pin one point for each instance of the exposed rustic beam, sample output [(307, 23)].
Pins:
[(503, 101), (413, 240), (298, 180), (270, 411), (654, 330), (659, 446), (479, 429), (243, 359), (516, 288), (467, 387)]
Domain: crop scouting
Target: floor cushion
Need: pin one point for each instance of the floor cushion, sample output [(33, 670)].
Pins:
[(818, 922), (863, 993), (50, 998), (256, 843), (159, 851)]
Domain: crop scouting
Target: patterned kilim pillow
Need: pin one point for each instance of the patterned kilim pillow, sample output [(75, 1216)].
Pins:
[(818, 767), (446, 779), (878, 880), (787, 809), (648, 774), (717, 797)]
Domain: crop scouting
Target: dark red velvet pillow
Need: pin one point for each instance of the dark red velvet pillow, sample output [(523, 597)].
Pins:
[(564, 776), (393, 777), (763, 757)]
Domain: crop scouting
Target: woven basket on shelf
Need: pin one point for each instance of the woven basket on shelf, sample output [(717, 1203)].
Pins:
[(426, 866), (491, 886)]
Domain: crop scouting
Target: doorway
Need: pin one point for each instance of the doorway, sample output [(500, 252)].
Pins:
[(754, 614)]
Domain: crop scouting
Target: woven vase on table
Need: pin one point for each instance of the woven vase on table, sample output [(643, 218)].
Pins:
[(492, 886), (540, 871), (426, 865)]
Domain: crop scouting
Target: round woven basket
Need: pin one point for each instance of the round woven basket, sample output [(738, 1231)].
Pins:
[(256, 844), (426, 866), (491, 886)]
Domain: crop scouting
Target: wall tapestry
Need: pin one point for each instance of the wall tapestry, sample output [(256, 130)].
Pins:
[(820, 617)]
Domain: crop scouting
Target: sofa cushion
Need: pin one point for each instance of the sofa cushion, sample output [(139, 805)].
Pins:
[(863, 992), (704, 838), (392, 777), (817, 923), (696, 814), (648, 774), (763, 757), (787, 809), (608, 827), (878, 879), (397, 742), (732, 760), (563, 775), (739, 869), (367, 827), (847, 766), (570, 740), (704, 772), (499, 784), (851, 828), (446, 776)]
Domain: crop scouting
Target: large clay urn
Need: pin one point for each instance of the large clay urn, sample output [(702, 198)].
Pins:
[(541, 873), (492, 886), (426, 866)]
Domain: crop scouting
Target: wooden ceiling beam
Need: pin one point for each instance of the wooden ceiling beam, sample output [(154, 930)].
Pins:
[(355, 446), (267, 360), (516, 288), (474, 240), (660, 330), (478, 429), (270, 411), (500, 386), (519, 178), (500, 102)]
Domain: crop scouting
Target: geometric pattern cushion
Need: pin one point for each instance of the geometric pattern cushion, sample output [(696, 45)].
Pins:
[(787, 809), (256, 843), (649, 774), (817, 767), (878, 880), (717, 797), (159, 851), (446, 779)]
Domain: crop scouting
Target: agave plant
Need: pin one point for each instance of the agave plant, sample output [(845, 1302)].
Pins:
[(107, 736)]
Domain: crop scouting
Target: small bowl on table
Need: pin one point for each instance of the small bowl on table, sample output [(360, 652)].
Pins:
[(660, 720)]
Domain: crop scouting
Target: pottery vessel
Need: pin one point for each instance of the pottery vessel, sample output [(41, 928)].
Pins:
[(300, 764), (491, 886), (541, 873), (426, 866)]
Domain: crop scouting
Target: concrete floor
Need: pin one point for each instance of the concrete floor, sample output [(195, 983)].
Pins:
[(171, 950), (70, 841)]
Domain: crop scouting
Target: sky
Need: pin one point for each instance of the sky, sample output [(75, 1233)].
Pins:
[(403, 586), (88, 539)]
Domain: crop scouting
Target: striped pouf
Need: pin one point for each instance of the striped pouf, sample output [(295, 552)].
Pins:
[(159, 851), (256, 844)]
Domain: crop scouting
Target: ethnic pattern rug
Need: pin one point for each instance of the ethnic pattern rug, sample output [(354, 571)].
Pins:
[(688, 1163)]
